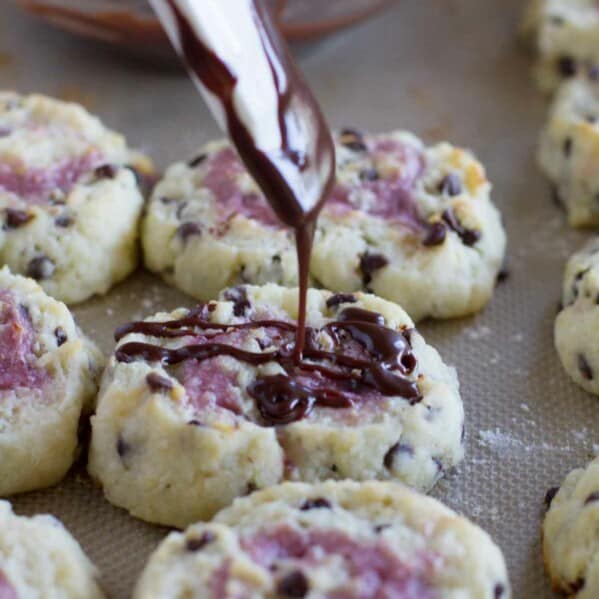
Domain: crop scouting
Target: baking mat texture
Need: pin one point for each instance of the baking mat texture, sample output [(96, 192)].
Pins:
[(445, 69)]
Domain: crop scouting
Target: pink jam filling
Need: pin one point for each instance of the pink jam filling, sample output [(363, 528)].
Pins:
[(395, 201), (223, 170), (7, 591), (394, 195), (34, 185), (374, 571), (18, 367), (208, 384)]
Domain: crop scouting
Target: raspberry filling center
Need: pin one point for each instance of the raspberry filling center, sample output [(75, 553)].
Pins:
[(18, 365), (7, 591), (345, 362), (367, 569), (391, 196), (34, 185)]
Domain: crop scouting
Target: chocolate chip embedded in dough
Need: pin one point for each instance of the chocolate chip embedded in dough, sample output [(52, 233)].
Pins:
[(17, 218), (451, 185), (197, 543), (156, 382), (40, 267), (294, 584), (60, 335), (370, 263), (551, 493), (584, 367), (317, 503)]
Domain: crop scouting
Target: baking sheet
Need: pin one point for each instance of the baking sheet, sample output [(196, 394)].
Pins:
[(446, 69)]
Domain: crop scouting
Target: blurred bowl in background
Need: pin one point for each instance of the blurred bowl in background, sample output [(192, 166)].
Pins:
[(131, 23)]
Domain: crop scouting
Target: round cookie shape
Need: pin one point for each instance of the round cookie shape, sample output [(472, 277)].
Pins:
[(70, 197), (39, 559), (328, 540), (564, 36), (175, 443), (412, 224), (48, 375), (569, 150), (571, 534), (577, 324)]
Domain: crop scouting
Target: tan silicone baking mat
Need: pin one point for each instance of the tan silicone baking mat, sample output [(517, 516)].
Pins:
[(446, 69)]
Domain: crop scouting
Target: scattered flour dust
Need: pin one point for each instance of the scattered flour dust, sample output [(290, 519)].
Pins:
[(498, 440)]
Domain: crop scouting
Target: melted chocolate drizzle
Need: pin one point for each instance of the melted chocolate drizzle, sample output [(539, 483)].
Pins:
[(297, 177), (328, 378)]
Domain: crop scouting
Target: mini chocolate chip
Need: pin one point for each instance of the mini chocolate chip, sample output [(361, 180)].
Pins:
[(592, 498), (180, 209), (157, 382), (40, 267), (584, 367), (341, 298), (551, 493), (197, 543), (61, 336), (577, 278), (24, 312), (393, 451), (503, 275), (369, 174), (556, 197), (498, 591), (122, 447), (566, 66), (139, 178), (63, 221), (567, 146), (369, 263), (468, 236), (351, 132), (334, 468), (276, 259), (195, 423), (197, 160), (451, 185), (17, 218), (250, 487), (380, 527), (435, 235), (295, 584), (188, 229), (353, 139), (241, 303), (577, 585), (317, 503), (106, 171)]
